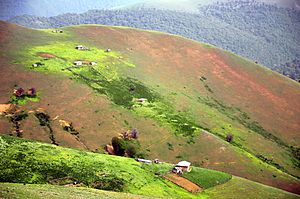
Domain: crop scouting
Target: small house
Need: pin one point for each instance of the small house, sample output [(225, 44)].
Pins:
[(57, 31), (184, 166), (93, 63), (81, 47), (108, 50), (37, 64), (77, 63), (141, 100), (144, 161)]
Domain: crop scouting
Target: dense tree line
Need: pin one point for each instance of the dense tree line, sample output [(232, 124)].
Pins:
[(264, 33)]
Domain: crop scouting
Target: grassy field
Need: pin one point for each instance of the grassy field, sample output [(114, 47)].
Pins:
[(206, 178), (27, 162), (32, 162), (36, 191), (242, 188)]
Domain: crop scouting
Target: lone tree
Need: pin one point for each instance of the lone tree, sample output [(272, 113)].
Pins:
[(229, 138), (118, 146)]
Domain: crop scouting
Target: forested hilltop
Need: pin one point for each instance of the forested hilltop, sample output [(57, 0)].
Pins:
[(264, 33)]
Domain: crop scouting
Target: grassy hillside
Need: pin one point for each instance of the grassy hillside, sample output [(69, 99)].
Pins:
[(24, 161), (33, 162), (21, 191), (197, 95), (240, 27)]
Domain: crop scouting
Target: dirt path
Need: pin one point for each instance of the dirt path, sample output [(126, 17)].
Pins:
[(183, 182)]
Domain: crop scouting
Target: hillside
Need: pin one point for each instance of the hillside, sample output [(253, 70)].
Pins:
[(21, 191), (264, 33), (32, 162), (197, 95)]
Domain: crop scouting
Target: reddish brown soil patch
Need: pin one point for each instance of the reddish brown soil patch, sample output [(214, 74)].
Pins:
[(46, 55), (183, 182)]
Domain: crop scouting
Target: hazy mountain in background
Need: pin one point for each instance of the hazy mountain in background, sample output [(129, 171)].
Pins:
[(193, 5), (49, 8)]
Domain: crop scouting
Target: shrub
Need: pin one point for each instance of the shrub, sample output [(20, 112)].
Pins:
[(131, 151), (229, 138), (118, 146)]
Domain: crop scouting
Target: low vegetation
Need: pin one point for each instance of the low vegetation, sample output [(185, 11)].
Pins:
[(25, 191), (206, 178), (25, 161)]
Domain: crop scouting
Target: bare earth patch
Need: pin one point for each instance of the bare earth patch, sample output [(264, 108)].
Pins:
[(183, 182)]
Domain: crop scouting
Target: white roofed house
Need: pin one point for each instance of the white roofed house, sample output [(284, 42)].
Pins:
[(81, 47), (184, 166), (93, 63), (77, 63)]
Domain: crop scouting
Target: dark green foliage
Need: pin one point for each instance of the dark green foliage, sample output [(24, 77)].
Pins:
[(170, 146), (120, 91), (296, 152), (131, 151), (18, 116), (270, 161), (43, 118), (111, 183), (290, 69), (118, 145)]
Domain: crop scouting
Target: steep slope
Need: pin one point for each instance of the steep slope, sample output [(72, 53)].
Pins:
[(42, 163), (197, 95), (240, 27)]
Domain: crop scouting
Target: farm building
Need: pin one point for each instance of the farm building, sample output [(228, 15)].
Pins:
[(37, 64), (80, 63), (182, 166), (81, 47), (77, 63), (141, 100), (57, 31), (144, 161)]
